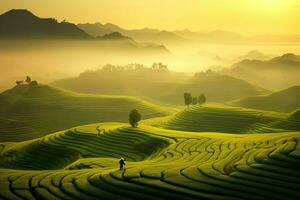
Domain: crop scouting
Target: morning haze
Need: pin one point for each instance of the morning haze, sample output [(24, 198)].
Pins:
[(246, 16), (143, 99)]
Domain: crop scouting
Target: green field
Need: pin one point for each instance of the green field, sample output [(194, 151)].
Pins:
[(283, 101), (28, 112), (220, 118), (211, 151), (146, 107), (161, 164)]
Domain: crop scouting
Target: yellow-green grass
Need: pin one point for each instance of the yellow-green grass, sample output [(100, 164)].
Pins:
[(28, 112), (221, 118), (286, 100), (161, 164)]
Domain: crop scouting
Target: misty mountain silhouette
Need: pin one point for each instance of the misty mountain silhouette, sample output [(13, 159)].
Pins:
[(253, 55), (145, 34), (113, 36), (288, 58), (288, 61), (274, 74), (21, 23), (98, 29)]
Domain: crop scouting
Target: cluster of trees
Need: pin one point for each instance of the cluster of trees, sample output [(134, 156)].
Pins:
[(27, 81), (155, 67), (189, 99), (159, 67)]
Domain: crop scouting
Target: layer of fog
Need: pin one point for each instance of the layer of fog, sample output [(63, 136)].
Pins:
[(47, 61)]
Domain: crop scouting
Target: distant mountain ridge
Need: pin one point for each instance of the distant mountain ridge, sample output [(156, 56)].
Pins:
[(145, 34), (253, 55), (21, 23), (24, 25), (286, 100), (185, 35), (113, 36), (274, 74), (98, 29)]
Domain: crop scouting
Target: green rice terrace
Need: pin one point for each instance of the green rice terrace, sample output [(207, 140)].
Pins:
[(149, 100), (81, 163), (28, 112), (221, 118), (210, 151)]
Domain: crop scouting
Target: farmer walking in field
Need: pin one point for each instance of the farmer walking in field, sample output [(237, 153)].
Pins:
[(122, 163)]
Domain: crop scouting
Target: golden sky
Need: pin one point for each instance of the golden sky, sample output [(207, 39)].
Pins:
[(243, 16)]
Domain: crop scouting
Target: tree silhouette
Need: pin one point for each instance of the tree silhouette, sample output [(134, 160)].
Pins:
[(28, 80), (201, 99), (134, 117), (187, 98)]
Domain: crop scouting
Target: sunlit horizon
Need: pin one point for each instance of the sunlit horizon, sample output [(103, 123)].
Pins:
[(246, 17)]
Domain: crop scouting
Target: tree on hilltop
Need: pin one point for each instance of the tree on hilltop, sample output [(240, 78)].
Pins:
[(134, 117), (201, 99), (28, 80), (188, 99)]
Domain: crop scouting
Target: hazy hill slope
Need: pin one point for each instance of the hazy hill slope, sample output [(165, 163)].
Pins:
[(30, 111), (161, 164), (113, 36), (221, 118), (283, 101), (95, 30), (167, 87), (252, 55), (275, 74), (18, 23), (144, 35), (217, 87)]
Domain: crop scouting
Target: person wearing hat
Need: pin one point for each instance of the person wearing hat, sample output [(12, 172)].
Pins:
[(122, 163)]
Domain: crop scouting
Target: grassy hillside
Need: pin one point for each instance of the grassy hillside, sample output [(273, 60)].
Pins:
[(275, 74), (164, 86), (221, 118), (161, 164), (283, 101), (28, 112)]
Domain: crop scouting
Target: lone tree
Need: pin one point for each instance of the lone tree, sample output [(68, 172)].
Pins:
[(188, 99), (134, 117), (28, 80), (201, 99), (195, 100)]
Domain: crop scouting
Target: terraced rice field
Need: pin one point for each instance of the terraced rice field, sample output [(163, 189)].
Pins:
[(82, 163), (28, 112), (221, 118)]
